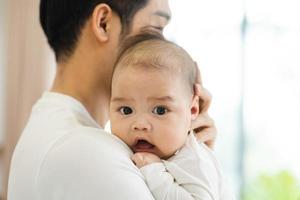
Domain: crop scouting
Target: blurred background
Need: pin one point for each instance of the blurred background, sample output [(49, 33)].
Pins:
[(249, 54)]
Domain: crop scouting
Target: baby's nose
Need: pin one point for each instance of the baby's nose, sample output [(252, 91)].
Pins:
[(141, 124)]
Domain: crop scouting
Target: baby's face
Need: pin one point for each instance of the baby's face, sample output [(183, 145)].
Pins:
[(150, 110)]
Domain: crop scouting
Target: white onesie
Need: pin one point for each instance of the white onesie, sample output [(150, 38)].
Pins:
[(193, 173)]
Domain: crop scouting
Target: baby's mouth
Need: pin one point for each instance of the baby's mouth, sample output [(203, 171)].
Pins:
[(143, 146)]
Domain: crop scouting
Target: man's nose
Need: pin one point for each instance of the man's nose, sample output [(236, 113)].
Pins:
[(141, 124)]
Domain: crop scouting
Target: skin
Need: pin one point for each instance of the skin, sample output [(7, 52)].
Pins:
[(86, 74), (136, 89), (155, 16), (96, 52)]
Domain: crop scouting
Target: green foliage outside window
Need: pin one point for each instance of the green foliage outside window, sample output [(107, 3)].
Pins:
[(281, 186)]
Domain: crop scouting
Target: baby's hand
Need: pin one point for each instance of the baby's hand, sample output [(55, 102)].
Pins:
[(141, 159)]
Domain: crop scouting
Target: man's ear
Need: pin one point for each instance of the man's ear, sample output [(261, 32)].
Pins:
[(195, 107), (101, 20)]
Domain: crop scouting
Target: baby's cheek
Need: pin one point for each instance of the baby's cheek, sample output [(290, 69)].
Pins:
[(119, 130), (172, 142)]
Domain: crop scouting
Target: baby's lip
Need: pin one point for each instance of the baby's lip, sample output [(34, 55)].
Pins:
[(142, 145)]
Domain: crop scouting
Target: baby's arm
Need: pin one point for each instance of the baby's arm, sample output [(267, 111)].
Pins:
[(166, 180)]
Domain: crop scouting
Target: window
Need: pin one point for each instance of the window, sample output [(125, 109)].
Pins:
[(248, 52)]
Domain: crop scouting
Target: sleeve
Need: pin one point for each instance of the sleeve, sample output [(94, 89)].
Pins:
[(192, 173), (90, 168), (167, 181)]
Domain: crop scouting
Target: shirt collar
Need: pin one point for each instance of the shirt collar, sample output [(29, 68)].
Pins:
[(62, 100)]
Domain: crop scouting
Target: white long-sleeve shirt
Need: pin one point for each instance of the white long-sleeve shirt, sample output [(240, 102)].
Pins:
[(193, 173), (63, 154)]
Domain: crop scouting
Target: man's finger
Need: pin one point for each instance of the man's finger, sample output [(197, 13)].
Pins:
[(198, 74), (204, 99), (208, 136), (197, 89), (203, 120)]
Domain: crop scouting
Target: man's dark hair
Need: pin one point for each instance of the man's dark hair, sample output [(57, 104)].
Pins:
[(62, 20)]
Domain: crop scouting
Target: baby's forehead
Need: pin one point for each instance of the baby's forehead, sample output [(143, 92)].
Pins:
[(157, 54)]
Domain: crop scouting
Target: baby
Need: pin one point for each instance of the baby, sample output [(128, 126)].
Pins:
[(151, 110)]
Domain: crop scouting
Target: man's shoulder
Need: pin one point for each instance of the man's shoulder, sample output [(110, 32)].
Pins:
[(88, 139), (89, 162), (83, 150)]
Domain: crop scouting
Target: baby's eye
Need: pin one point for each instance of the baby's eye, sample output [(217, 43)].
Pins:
[(125, 110), (160, 110)]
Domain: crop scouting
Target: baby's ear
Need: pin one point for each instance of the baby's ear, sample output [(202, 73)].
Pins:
[(195, 107)]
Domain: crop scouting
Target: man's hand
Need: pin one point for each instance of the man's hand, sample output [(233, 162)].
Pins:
[(204, 126), (141, 159)]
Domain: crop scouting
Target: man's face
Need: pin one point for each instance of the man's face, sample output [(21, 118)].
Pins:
[(154, 16), (150, 110)]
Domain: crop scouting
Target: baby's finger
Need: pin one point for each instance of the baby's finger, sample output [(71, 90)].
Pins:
[(137, 158), (202, 120)]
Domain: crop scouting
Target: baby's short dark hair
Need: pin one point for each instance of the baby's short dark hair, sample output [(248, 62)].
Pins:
[(153, 51)]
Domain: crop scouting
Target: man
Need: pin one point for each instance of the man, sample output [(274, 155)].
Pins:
[(63, 152)]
